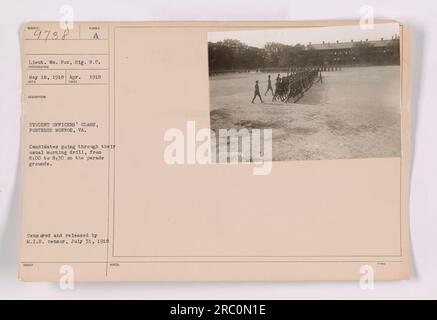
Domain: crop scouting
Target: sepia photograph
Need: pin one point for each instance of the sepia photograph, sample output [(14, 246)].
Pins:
[(325, 92)]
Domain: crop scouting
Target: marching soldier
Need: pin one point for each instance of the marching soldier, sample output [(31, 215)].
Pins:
[(269, 86), (257, 93)]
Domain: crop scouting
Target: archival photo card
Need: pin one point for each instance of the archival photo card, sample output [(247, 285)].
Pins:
[(117, 182)]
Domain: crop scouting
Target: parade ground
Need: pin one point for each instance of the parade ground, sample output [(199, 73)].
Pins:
[(352, 113)]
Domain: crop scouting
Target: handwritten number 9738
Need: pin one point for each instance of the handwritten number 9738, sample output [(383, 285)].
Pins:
[(50, 35)]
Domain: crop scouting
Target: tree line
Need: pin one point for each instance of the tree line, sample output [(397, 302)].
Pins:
[(233, 54)]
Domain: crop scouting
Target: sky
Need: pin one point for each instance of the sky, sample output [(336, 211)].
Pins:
[(292, 36)]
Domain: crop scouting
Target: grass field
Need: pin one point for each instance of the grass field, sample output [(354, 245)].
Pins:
[(354, 113)]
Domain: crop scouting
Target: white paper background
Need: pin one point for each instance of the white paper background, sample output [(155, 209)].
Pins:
[(420, 15)]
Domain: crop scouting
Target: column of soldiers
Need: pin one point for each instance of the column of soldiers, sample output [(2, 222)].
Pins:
[(290, 86)]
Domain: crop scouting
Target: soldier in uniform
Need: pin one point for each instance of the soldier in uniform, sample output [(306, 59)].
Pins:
[(275, 95), (257, 93), (269, 86)]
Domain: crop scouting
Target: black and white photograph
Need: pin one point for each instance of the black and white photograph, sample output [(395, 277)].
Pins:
[(325, 92)]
